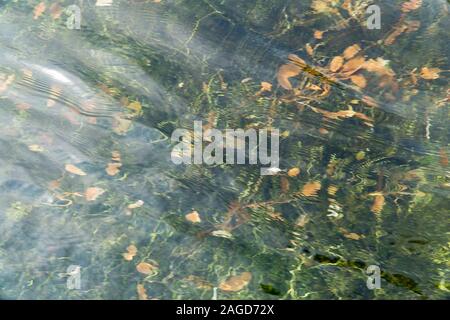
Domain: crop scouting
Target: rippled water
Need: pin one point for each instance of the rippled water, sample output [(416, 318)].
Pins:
[(86, 171)]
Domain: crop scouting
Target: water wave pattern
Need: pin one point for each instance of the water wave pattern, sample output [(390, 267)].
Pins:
[(86, 170)]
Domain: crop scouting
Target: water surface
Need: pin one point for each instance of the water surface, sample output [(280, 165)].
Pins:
[(86, 171)]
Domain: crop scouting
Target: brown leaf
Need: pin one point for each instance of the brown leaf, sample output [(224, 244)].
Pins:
[(142, 294), (296, 59), (302, 221), (54, 184), (74, 170), (336, 63), (131, 252), (293, 172), (353, 65), (323, 6), (146, 268), (93, 193), (378, 66), (311, 188), (284, 184), (113, 168), (378, 203), (39, 10), (369, 101), (351, 51), (429, 73), (55, 11), (411, 5), (193, 217), (359, 80), (199, 282), (309, 49), (236, 283), (332, 190), (285, 72), (4, 83), (318, 34), (115, 156), (266, 86)]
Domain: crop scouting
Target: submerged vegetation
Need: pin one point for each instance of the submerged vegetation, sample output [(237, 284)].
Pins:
[(86, 177)]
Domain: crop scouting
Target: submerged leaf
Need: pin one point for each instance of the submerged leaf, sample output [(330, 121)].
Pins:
[(293, 172), (351, 51), (353, 65), (378, 203), (74, 170), (285, 72), (55, 11), (302, 221), (266, 86), (411, 5), (318, 34), (146, 268), (39, 10), (336, 63), (5, 82), (142, 294), (236, 283), (193, 217), (199, 282), (131, 252), (121, 126), (113, 168), (311, 188), (429, 73), (93, 193), (359, 80), (136, 107)]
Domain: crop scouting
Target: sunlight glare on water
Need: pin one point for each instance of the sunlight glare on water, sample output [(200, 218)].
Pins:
[(87, 178)]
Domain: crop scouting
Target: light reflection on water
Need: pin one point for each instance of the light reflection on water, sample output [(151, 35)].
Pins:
[(65, 102)]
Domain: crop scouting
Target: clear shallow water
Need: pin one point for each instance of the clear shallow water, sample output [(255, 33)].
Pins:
[(112, 93)]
